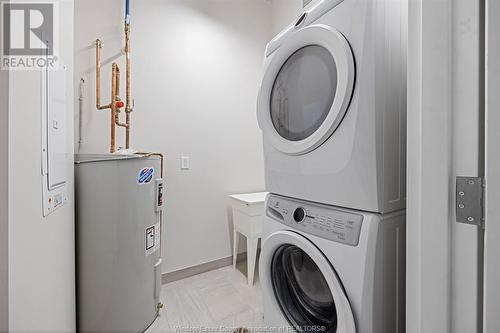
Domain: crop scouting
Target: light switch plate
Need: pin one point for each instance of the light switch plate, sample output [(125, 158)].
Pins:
[(184, 162)]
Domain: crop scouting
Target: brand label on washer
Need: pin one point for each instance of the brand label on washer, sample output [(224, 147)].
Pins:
[(152, 239), (145, 175)]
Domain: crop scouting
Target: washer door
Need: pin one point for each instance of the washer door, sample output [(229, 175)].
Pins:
[(306, 288), (306, 89)]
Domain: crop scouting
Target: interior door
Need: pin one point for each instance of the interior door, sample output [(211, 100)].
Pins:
[(491, 311)]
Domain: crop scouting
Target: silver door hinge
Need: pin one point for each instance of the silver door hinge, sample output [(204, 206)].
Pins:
[(469, 200)]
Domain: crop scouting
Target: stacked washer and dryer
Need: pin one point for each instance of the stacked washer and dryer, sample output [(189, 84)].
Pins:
[(332, 109)]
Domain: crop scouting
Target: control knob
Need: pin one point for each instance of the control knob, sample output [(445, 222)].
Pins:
[(299, 215)]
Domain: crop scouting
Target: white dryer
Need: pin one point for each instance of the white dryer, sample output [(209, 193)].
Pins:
[(332, 106), (328, 269)]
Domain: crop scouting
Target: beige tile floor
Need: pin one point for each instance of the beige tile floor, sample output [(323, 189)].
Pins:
[(220, 298)]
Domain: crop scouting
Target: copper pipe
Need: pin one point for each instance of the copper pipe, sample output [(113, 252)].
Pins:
[(127, 130), (115, 92), (98, 46), (113, 106), (160, 155), (128, 107), (115, 89), (117, 79), (117, 99), (117, 121)]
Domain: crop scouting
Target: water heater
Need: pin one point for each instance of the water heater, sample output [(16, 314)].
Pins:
[(119, 199)]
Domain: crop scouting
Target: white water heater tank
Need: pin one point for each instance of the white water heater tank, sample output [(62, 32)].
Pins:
[(118, 204)]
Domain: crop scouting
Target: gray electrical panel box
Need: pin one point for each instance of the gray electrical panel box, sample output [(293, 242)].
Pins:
[(118, 199)]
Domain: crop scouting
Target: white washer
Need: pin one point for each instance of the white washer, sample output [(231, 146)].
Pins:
[(332, 106), (327, 269)]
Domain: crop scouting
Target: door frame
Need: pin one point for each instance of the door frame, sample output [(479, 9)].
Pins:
[(491, 305), (445, 97)]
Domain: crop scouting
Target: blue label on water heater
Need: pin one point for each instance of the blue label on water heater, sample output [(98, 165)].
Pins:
[(146, 175)]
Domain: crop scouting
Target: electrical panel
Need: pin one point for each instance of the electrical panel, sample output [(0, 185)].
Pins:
[(54, 139)]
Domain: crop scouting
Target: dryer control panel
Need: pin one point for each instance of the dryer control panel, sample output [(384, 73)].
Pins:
[(320, 220)]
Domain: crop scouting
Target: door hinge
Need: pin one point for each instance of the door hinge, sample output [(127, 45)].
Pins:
[(469, 200)]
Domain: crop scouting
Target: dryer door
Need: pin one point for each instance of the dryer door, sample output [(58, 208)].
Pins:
[(306, 288), (306, 89)]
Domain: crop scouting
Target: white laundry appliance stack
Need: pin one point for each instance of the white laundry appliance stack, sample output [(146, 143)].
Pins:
[(332, 109)]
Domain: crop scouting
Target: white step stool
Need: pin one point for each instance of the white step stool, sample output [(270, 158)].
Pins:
[(248, 211)]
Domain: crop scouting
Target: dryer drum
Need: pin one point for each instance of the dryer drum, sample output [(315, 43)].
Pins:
[(302, 291)]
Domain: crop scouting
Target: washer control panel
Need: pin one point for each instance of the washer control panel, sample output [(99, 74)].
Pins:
[(315, 219)]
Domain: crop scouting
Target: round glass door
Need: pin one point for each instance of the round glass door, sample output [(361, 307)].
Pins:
[(306, 89), (303, 92), (302, 291)]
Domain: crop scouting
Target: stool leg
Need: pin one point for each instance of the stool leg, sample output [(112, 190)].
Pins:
[(251, 258), (236, 241)]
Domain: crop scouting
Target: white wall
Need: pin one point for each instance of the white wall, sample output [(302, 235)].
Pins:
[(491, 319), (307, 2), (41, 251), (196, 72), (283, 13), (4, 141)]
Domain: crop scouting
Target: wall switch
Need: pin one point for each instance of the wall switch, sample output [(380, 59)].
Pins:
[(184, 162)]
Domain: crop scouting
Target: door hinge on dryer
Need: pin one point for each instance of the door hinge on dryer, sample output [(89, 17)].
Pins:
[(470, 200)]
